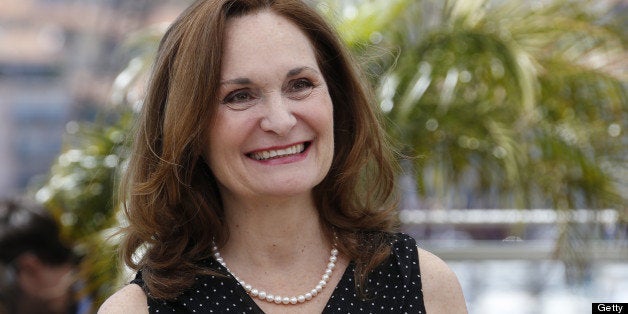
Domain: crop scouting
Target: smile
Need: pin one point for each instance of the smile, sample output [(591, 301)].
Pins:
[(278, 153)]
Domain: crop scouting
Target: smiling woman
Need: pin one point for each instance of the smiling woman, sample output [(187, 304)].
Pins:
[(258, 148)]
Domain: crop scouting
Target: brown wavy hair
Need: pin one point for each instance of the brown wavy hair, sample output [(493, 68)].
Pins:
[(169, 193)]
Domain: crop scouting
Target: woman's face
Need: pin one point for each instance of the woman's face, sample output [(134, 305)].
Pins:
[(273, 129)]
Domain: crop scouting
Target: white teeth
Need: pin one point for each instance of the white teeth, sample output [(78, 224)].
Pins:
[(267, 154)]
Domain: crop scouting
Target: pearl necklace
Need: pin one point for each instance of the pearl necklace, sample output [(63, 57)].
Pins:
[(263, 295)]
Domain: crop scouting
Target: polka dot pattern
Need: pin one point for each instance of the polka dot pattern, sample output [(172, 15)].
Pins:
[(393, 287)]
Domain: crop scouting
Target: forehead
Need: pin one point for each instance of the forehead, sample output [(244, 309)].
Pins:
[(264, 39)]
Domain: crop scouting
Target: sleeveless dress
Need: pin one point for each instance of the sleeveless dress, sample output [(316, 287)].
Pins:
[(393, 287)]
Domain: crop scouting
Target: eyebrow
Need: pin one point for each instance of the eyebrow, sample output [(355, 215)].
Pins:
[(297, 71), (246, 81), (237, 81)]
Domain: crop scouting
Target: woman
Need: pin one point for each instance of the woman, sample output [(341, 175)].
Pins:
[(260, 180)]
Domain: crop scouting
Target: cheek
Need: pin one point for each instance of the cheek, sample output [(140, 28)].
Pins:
[(328, 116), (212, 136), (218, 135), (322, 111), (322, 120), (226, 137)]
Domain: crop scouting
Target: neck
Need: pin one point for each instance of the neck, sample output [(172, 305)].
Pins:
[(273, 231), (279, 247)]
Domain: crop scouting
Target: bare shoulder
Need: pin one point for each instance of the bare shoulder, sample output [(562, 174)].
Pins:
[(441, 290), (130, 299)]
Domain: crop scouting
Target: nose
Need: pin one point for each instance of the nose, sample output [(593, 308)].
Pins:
[(278, 117)]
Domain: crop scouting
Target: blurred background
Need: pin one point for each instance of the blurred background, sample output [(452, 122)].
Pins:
[(512, 115)]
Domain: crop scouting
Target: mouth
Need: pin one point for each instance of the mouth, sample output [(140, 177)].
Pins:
[(279, 153)]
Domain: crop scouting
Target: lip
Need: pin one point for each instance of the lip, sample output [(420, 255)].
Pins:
[(293, 157)]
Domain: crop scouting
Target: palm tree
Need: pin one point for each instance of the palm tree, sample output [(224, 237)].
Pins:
[(503, 103)]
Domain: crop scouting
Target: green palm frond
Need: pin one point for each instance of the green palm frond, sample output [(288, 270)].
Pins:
[(488, 87)]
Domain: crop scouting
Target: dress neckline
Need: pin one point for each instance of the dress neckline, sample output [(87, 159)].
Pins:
[(249, 300)]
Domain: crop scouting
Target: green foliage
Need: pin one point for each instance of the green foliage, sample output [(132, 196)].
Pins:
[(82, 186), (504, 104), (81, 194)]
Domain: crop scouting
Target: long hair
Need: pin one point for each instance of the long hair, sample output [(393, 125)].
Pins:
[(171, 197)]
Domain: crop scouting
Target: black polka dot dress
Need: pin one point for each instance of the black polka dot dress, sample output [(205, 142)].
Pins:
[(393, 287)]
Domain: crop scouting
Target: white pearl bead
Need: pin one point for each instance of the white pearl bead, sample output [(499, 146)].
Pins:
[(263, 295)]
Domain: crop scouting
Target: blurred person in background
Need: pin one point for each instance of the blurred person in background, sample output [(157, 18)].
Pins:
[(38, 269)]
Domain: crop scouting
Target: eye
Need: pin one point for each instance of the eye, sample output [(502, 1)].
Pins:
[(240, 99), (299, 89)]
